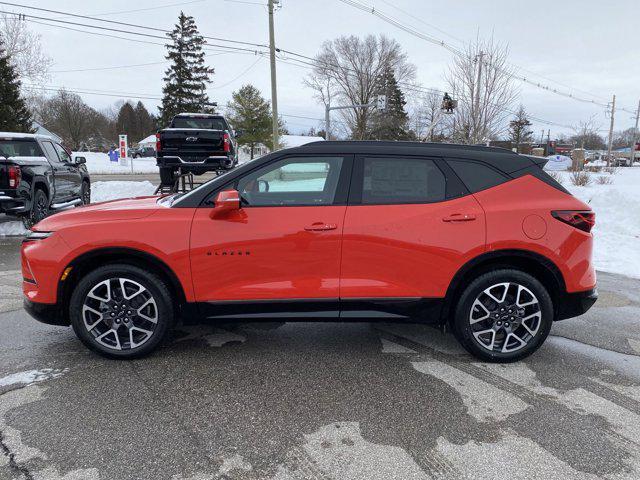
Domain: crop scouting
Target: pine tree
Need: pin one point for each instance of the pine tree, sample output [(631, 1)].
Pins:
[(126, 122), (145, 122), (14, 115), (390, 124), (250, 113), (519, 131), (187, 77)]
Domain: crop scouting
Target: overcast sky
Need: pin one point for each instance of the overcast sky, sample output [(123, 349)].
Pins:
[(586, 46)]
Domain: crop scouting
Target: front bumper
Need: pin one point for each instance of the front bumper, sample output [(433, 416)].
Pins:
[(575, 304), (49, 313)]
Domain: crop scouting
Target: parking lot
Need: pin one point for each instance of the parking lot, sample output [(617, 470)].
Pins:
[(334, 400)]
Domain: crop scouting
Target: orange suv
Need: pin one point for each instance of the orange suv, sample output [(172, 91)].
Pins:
[(478, 240)]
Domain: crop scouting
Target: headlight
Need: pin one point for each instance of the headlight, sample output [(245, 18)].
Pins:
[(32, 236)]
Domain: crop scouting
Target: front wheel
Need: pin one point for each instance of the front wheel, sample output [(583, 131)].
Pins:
[(121, 311), (503, 316), (85, 193)]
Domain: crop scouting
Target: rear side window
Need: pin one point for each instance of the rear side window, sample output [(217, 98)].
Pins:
[(402, 180), (19, 148), (476, 176)]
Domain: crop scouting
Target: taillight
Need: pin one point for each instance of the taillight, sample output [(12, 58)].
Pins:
[(158, 143), (14, 177), (226, 143), (581, 219)]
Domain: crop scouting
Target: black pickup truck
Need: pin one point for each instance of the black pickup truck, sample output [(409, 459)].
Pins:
[(38, 176), (195, 143)]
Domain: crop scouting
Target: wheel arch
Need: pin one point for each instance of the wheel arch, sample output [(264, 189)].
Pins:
[(96, 258), (539, 266)]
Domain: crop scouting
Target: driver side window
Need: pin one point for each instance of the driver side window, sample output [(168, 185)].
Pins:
[(292, 182)]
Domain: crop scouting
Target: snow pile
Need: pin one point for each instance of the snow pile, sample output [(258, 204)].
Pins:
[(617, 230), (98, 163), (12, 229), (105, 191), (558, 163)]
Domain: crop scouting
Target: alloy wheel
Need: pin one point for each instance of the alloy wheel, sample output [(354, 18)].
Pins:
[(505, 317), (120, 313)]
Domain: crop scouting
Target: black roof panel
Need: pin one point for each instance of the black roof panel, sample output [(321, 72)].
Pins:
[(503, 159)]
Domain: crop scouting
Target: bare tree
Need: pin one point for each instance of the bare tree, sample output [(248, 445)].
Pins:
[(426, 113), (484, 89), (346, 72), (585, 135), (24, 48), (68, 116)]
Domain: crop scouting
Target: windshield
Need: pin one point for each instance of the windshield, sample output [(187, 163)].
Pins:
[(205, 123), (19, 147)]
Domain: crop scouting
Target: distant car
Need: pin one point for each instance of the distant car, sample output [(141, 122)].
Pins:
[(195, 143), (38, 176), (141, 152), (480, 240)]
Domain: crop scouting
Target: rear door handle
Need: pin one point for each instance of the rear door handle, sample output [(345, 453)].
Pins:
[(460, 217), (320, 227)]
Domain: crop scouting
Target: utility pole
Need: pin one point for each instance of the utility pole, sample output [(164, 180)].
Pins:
[(613, 114), (634, 138), (274, 89), (327, 122)]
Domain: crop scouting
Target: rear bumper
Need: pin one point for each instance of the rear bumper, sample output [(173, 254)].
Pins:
[(209, 163), (575, 304), (12, 205), (49, 313)]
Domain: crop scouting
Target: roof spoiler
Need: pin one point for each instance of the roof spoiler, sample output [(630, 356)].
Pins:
[(539, 161)]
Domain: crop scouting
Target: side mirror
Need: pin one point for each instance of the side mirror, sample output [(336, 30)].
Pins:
[(237, 133), (226, 201), (80, 160)]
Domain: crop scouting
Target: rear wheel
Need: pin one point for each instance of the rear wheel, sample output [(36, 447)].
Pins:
[(503, 316), (167, 175), (121, 311), (39, 209)]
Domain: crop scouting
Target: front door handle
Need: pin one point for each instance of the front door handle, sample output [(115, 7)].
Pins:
[(460, 217), (320, 227)]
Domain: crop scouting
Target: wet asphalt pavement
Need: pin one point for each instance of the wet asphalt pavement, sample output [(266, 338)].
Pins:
[(321, 401)]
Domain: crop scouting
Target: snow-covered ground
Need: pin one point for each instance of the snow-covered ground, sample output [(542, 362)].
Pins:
[(100, 163), (617, 207), (617, 230)]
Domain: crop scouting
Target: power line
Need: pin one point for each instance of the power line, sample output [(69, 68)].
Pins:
[(443, 44), (115, 22)]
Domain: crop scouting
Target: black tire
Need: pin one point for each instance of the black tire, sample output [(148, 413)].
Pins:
[(39, 209), (167, 175), (155, 287), (85, 192), (464, 331)]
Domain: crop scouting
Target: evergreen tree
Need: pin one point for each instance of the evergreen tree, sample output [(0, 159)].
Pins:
[(14, 115), (519, 131), (145, 122), (126, 122), (187, 77), (250, 113), (390, 124)]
